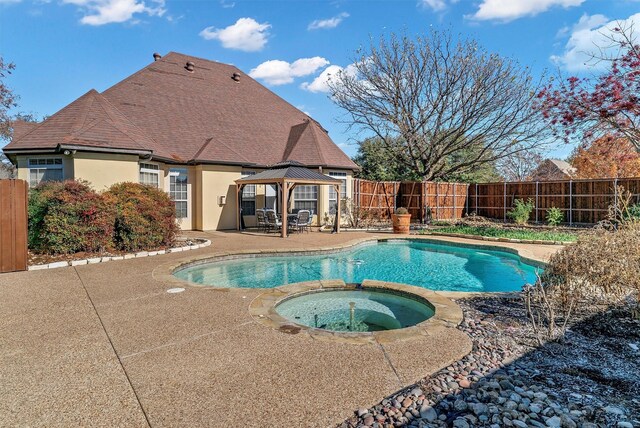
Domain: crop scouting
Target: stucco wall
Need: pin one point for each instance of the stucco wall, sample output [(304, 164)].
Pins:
[(213, 181), (104, 169)]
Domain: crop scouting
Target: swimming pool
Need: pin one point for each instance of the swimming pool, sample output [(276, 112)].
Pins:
[(436, 266)]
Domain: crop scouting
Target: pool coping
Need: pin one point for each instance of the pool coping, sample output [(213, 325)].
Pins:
[(165, 272), (447, 314)]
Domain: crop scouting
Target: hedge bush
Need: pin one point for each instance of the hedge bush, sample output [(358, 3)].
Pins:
[(145, 217), (69, 217)]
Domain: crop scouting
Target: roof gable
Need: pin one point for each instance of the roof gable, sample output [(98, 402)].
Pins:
[(88, 121)]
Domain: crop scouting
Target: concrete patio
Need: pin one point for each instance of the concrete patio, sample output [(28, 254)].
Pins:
[(106, 345)]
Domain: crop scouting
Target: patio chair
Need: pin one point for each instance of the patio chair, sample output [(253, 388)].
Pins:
[(303, 221), (272, 221), (261, 220)]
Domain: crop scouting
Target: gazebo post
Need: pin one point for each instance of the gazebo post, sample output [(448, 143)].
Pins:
[(238, 192), (285, 207)]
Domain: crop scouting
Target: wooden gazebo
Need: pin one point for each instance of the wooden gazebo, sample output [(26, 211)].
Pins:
[(287, 175)]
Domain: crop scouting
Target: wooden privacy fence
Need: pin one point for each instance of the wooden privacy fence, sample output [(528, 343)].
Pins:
[(581, 201), (424, 200), (13, 225)]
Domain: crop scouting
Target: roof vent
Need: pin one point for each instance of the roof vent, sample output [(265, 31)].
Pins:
[(156, 56), (190, 66), (236, 76)]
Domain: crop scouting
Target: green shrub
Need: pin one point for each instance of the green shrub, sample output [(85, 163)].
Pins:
[(555, 216), (69, 217), (402, 211), (145, 217), (521, 211), (633, 212)]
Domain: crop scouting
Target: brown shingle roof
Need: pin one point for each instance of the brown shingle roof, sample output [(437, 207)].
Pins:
[(199, 116), (21, 127), (89, 121)]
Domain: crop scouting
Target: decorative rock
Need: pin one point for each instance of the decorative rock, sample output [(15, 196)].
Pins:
[(58, 265), (624, 424), (554, 422), (461, 423), (519, 423), (428, 413), (614, 410)]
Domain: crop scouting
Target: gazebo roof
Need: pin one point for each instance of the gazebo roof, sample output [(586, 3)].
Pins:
[(290, 171)]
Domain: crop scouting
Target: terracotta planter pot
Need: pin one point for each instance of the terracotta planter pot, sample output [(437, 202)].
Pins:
[(401, 223)]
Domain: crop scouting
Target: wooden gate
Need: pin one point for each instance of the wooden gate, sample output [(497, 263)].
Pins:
[(13, 225)]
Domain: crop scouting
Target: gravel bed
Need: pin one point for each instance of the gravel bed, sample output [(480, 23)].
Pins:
[(506, 381)]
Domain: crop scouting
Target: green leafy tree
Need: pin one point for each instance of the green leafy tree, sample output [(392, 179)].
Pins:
[(379, 164)]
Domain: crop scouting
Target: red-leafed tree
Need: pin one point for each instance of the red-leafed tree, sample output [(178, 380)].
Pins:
[(608, 104)]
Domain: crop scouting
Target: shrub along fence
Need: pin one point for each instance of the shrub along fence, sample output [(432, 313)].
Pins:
[(581, 201)]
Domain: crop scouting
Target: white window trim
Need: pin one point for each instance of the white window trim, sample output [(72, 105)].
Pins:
[(246, 173), (188, 199), (146, 170), (297, 199), (45, 166), (343, 188)]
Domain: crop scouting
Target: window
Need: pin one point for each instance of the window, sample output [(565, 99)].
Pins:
[(178, 191), (306, 198), (45, 169), (248, 196), (333, 202), (150, 174)]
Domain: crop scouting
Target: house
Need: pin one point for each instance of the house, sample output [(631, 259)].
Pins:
[(189, 126), (553, 169)]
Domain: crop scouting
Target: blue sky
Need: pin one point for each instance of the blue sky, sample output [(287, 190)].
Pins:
[(63, 48)]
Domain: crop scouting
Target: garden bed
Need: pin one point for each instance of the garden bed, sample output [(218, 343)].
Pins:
[(38, 261), (589, 381), (512, 232)]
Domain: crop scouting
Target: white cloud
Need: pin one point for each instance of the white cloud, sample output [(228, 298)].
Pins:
[(226, 4), (587, 36), (9, 1), (246, 34), (101, 12), (321, 83), (276, 72), (508, 10), (324, 24), (435, 5)]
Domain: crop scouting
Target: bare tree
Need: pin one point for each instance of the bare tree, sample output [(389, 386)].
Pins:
[(519, 166), (432, 99)]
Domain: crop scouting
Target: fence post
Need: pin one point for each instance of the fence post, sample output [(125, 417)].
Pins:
[(467, 200), (537, 201), (437, 201), (477, 211), (504, 203), (615, 193), (454, 201), (570, 203)]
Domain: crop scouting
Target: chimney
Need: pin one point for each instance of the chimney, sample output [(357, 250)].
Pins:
[(236, 77), (156, 56), (190, 66)]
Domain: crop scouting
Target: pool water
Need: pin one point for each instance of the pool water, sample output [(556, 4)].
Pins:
[(355, 310), (423, 264)]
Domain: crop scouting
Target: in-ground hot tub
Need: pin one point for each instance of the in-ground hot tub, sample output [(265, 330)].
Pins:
[(359, 310)]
